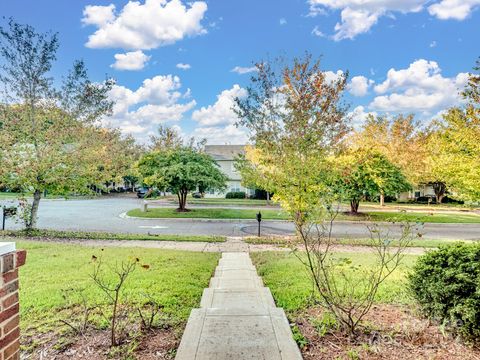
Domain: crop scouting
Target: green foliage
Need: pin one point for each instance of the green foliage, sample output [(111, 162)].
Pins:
[(455, 147), (446, 284), (236, 195), (181, 171), (325, 324), (48, 133), (297, 120), (94, 235), (368, 173), (301, 340)]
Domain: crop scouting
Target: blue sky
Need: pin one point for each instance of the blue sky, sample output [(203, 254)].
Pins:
[(174, 61)]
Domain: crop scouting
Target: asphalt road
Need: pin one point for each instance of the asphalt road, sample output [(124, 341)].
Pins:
[(105, 215)]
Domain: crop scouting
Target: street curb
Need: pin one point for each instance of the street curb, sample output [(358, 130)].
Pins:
[(125, 216)]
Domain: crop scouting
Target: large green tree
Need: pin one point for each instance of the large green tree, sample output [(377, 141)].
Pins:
[(181, 171), (368, 173), (45, 130), (456, 151), (454, 144)]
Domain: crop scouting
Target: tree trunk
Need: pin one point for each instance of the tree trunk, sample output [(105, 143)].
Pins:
[(182, 200), (439, 188), (382, 199), (354, 204), (32, 222), (268, 198)]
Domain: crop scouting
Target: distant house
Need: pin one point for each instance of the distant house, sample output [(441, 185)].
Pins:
[(225, 156), (423, 190)]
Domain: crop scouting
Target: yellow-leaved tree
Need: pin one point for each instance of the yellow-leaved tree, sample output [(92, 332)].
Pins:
[(297, 121)]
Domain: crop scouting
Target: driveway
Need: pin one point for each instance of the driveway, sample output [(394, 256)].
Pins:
[(104, 215)]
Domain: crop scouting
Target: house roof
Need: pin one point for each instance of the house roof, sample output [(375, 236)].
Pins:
[(224, 152)]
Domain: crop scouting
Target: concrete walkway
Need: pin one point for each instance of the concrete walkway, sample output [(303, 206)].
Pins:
[(238, 318)]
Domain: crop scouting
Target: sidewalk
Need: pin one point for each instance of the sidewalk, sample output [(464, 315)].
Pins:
[(233, 244), (238, 318)]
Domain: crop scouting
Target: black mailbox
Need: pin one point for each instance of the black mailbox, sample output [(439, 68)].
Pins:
[(9, 211)]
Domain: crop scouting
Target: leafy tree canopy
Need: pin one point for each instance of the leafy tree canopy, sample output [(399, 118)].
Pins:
[(46, 131), (455, 144), (297, 119), (366, 172), (181, 171)]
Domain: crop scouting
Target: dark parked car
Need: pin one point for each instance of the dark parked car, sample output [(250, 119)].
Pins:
[(142, 192)]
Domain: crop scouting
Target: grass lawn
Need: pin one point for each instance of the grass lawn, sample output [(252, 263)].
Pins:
[(174, 278), (291, 287), (280, 215), (418, 242), (10, 195), (208, 214), (84, 235), (427, 217)]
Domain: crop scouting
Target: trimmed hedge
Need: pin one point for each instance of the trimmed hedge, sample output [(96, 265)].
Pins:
[(236, 195), (446, 284)]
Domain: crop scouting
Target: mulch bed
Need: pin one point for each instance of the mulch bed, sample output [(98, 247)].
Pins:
[(395, 332), (158, 344)]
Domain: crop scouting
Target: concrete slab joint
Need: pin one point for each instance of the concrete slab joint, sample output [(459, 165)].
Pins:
[(238, 318)]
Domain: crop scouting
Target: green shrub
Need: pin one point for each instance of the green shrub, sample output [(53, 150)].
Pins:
[(236, 195), (446, 284)]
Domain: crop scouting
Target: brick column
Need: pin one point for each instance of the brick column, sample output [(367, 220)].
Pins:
[(10, 261)]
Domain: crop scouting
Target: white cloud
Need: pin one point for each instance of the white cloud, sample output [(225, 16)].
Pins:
[(134, 60), (220, 135), (358, 16), (243, 70), (359, 116), (317, 32), (220, 113), (144, 26), (453, 9), (419, 88), (433, 44), (155, 101), (331, 76), (283, 21), (359, 85), (98, 15), (183, 66)]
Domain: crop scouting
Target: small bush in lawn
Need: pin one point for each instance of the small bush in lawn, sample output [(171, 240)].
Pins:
[(446, 284), (236, 195)]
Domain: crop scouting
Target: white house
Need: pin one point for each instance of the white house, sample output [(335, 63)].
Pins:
[(225, 156)]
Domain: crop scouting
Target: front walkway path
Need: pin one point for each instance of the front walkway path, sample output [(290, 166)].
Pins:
[(238, 318)]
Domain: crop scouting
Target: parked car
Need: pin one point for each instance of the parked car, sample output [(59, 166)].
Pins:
[(142, 192)]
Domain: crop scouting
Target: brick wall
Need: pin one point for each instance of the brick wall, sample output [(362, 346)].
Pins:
[(9, 317)]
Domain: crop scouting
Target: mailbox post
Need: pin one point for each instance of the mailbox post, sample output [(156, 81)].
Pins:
[(259, 219)]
